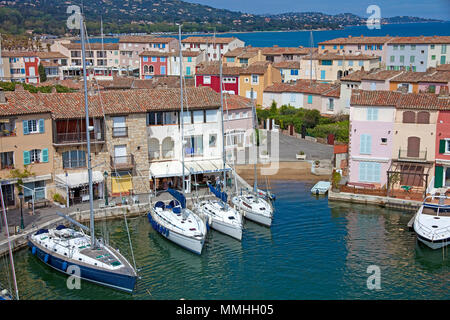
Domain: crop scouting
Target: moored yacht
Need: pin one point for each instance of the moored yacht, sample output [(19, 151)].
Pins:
[(220, 214), (178, 224), (255, 208), (62, 248), (432, 222)]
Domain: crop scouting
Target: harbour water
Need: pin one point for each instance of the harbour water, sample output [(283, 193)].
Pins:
[(314, 250), (302, 38)]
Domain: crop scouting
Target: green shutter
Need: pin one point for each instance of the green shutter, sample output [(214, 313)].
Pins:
[(26, 157), (441, 146), (438, 176), (44, 155), (41, 126), (25, 127)]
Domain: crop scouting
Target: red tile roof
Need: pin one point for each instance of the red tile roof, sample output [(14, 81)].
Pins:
[(92, 46), (276, 50), (358, 40), (145, 39), (304, 86), (421, 101), (154, 54), (409, 76), (443, 67), (287, 65), (355, 76), (18, 54), (381, 75), (51, 55), (71, 105), (437, 76), (338, 56), (340, 148), (236, 102), (209, 40), (213, 68), (421, 40)]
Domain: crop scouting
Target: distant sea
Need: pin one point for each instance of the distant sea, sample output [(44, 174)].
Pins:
[(302, 38)]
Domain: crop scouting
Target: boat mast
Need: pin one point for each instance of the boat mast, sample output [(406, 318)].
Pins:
[(88, 138), (9, 244), (222, 112), (255, 127), (181, 98), (310, 57)]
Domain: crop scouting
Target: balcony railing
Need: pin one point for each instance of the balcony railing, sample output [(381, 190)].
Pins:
[(122, 162), (77, 137), (118, 132), (421, 155)]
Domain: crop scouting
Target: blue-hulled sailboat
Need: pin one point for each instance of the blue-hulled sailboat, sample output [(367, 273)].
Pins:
[(67, 250)]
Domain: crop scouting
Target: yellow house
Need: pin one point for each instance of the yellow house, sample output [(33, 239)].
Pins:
[(257, 76), (242, 57), (329, 67), (408, 81)]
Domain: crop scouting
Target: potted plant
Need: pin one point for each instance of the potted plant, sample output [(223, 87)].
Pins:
[(317, 163), (300, 155), (59, 199)]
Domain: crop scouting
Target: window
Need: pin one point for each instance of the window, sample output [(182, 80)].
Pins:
[(292, 99), (433, 57), (35, 156), (330, 104), (423, 117), (255, 79), (211, 115), (369, 171), (392, 58), (212, 140), (395, 47), (163, 59), (154, 118), (443, 48), (361, 63), (350, 62), (411, 59), (372, 114), (207, 80), (413, 47), (248, 94), (154, 59), (409, 117), (402, 47), (442, 59), (119, 127), (189, 59), (230, 59), (432, 46), (74, 159), (310, 99), (402, 59), (187, 118), (145, 59), (194, 146), (294, 72), (33, 126), (7, 160), (198, 116), (163, 70), (365, 144), (383, 140), (339, 62)]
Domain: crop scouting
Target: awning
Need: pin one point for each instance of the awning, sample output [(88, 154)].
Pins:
[(166, 169), (78, 179), (174, 168)]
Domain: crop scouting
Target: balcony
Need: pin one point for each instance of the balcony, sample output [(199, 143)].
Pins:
[(412, 155), (122, 162), (77, 138), (119, 132)]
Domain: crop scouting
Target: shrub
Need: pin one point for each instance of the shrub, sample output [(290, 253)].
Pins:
[(335, 179), (59, 198)]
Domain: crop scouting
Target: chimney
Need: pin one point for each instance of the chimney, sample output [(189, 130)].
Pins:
[(2, 96)]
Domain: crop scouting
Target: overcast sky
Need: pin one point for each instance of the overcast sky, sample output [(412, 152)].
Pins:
[(437, 9)]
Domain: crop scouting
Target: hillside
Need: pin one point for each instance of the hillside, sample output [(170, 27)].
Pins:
[(139, 16)]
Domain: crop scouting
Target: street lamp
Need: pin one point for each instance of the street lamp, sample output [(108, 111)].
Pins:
[(105, 174), (22, 225)]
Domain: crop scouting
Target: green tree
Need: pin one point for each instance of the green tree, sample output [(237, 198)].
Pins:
[(42, 75)]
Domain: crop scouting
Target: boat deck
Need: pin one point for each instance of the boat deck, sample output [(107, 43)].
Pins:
[(101, 255)]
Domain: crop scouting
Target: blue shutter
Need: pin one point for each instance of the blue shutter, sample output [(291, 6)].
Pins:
[(362, 171), (26, 157), (322, 74), (368, 144), (377, 172), (362, 143), (25, 127), (375, 114), (41, 125), (44, 155)]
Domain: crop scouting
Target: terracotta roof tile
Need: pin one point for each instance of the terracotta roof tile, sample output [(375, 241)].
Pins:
[(437, 76), (409, 76), (381, 75), (213, 68), (443, 67), (287, 65), (355, 76), (51, 55), (304, 86), (92, 46), (421, 40), (145, 39), (235, 102), (358, 40), (209, 40), (374, 98)]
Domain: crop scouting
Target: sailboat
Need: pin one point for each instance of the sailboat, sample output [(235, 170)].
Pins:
[(4, 293), (255, 208), (67, 250), (221, 216), (173, 220)]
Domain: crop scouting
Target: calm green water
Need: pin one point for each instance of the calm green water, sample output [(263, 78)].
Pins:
[(314, 250)]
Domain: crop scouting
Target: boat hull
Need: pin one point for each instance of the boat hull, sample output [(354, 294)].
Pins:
[(192, 244), (433, 244), (258, 218), (227, 229), (109, 279)]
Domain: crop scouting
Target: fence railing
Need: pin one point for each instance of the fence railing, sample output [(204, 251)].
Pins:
[(122, 162), (403, 154), (74, 137)]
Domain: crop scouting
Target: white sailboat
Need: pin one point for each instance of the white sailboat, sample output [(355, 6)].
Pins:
[(173, 220), (253, 205), (68, 250), (432, 223), (221, 216)]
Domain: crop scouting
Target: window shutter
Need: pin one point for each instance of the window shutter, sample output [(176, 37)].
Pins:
[(41, 126), (362, 171), (26, 157), (441, 146), (438, 176), (377, 172), (44, 155), (25, 127), (362, 144), (368, 144)]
